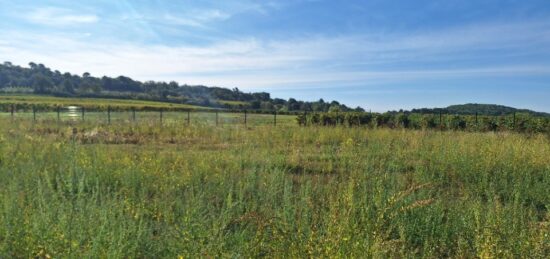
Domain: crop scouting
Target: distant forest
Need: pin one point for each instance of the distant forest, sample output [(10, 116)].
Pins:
[(481, 109), (39, 79)]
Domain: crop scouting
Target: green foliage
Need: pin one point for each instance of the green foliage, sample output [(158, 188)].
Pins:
[(41, 80), (480, 109), (136, 190), (25, 103), (520, 123)]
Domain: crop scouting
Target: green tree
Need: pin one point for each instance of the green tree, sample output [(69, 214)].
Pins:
[(42, 84), (68, 86)]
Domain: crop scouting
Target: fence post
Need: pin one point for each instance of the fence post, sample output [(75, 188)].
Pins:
[(12, 110), (514, 125), (275, 118), (216, 118), (245, 117), (109, 114), (477, 122), (441, 120), (188, 118)]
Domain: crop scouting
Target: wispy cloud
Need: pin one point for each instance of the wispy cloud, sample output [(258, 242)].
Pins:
[(198, 18), (53, 16), (313, 61)]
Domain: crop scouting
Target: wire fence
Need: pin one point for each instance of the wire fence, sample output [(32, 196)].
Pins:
[(161, 116), (75, 114)]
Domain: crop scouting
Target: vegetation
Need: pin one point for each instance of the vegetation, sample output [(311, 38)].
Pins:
[(27, 102), (524, 123), (480, 109), (426, 183), (39, 79), (139, 190)]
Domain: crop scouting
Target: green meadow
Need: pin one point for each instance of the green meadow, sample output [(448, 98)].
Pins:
[(26, 102), (129, 189)]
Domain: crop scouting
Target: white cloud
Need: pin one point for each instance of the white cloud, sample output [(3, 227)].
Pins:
[(53, 16), (318, 61), (196, 18), (199, 18)]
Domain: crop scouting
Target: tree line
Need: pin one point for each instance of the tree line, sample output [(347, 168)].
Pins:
[(39, 79), (475, 108)]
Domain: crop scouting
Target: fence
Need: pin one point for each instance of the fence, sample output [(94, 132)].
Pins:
[(162, 116)]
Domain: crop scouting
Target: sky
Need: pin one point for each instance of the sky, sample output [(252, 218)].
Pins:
[(378, 54)]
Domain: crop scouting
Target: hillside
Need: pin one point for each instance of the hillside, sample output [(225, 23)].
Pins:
[(481, 109), (41, 80)]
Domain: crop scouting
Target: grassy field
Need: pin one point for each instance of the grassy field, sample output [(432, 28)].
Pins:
[(90, 190), (50, 101)]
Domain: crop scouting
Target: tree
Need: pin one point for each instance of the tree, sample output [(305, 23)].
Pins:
[(261, 96), (266, 106), (334, 108), (173, 85), (305, 106), (46, 81), (293, 105), (255, 105), (67, 86), (42, 84)]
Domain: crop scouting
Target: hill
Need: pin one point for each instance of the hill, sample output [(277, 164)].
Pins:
[(481, 109), (41, 80)]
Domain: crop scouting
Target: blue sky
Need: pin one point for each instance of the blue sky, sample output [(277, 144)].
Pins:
[(378, 54)]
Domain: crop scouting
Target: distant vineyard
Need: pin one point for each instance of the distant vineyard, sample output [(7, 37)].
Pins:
[(518, 122), (27, 103)]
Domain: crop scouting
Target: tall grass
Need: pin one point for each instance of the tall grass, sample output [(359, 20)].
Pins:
[(139, 190)]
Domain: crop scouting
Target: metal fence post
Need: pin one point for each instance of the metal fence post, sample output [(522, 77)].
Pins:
[(441, 120), (514, 125)]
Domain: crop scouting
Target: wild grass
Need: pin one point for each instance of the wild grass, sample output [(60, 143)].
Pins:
[(140, 190)]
